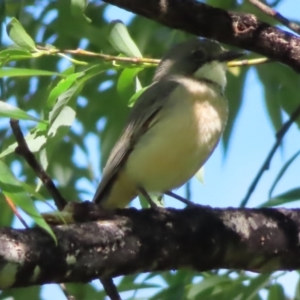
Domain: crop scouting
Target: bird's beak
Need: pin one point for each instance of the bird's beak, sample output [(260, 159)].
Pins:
[(229, 55)]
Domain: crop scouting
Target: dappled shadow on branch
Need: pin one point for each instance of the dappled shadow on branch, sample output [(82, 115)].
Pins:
[(128, 241)]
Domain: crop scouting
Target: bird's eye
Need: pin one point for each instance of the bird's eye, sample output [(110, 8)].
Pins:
[(198, 54)]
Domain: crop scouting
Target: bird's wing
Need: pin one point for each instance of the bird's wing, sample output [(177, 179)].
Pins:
[(140, 119)]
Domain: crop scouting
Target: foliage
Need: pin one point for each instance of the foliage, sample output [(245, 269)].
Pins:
[(69, 102)]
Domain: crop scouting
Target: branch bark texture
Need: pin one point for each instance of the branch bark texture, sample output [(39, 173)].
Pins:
[(237, 29), (131, 241)]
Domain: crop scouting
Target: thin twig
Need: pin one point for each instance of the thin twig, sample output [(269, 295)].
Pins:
[(23, 150), (179, 198), (150, 62), (279, 136), (106, 57), (248, 62), (66, 293), (276, 15), (110, 288), (15, 211)]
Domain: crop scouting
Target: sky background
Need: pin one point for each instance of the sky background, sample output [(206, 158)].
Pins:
[(227, 178)]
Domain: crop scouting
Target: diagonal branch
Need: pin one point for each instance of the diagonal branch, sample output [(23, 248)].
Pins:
[(236, 29), (24, 151), (276, 15)]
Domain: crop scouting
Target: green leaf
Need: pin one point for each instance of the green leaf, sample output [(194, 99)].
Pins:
[(287, 197), (255, 286), (78, 7), (297, 291), (13, 54), (35, 140), (234, 94), (32, 292), (60, 88), (282, 172), (276, 292), (19, 36), (209, 283), (63, 100), (70, 93), (120, 39), (93, 71), (17, 72), (200, 175), (10, 111), (126, 85), (13, 189), (157, 199), (134, 98), (64, 119), (271, 80)]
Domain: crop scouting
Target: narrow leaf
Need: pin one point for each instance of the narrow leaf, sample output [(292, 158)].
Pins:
[(13, 189), (10, 111), (14, 54), (282, 171), (16, 72), (61, 87), (65, 119), (120, 39), (19, 36), (134, 98), (287, 197), (276, 292), (200, 175), (78, 8), (63, 100), (255, 286)]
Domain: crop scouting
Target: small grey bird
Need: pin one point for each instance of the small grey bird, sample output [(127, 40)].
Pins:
[(174, 126)]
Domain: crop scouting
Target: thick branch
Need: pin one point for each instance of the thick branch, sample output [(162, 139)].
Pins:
[(132, 241), (237, 29)]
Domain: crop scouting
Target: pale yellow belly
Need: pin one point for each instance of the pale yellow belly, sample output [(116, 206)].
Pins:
[(177, 145)]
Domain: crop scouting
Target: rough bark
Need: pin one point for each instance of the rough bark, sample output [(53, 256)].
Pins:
[(237, 29), (131, 241)]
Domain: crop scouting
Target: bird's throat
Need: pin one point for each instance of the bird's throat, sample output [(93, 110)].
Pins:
[(214, 72)]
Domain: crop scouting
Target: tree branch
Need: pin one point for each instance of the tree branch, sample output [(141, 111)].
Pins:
[(237, 29), (132, 241), (23, 150), (276, 15)]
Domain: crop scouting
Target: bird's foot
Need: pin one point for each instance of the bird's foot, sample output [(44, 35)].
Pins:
[(181, 199), (152, 204)]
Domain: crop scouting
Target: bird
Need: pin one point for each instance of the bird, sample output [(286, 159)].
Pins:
[(174, 126)]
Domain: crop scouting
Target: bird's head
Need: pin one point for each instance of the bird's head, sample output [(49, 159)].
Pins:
[(198, 58)]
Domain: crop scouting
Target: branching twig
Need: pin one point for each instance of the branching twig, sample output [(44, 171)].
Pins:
[(23, 150), (106, 57), (15, 211), (276, 15), (66, 293), (110, 289), (279, 136), (149, 62)]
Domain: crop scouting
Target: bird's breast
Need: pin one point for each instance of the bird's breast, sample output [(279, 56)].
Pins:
[(180, 138)]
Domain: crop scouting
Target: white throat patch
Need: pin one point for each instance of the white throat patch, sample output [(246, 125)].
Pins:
[(213, 71)]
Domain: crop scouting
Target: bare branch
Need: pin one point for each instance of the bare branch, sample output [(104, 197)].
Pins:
[(276, 15), (24, 151), (237, 29), (110, 288)]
